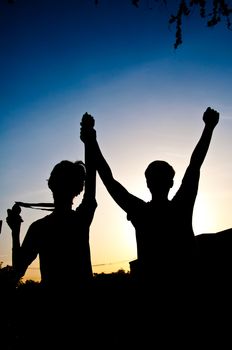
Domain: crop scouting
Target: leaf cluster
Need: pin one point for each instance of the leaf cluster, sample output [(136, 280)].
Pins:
[(218, 9), (212, 11)]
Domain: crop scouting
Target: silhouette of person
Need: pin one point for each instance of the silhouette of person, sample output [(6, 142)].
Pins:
[(163, 226), (61, 240)]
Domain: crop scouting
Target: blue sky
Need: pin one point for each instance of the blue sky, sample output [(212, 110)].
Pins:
[(60, 59)]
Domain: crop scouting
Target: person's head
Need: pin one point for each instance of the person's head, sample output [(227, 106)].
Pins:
[(67, 179), (159, 176)]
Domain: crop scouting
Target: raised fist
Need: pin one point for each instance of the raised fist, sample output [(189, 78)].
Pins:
[(211, 117), (87, 131), (14, 218), (87, 120)]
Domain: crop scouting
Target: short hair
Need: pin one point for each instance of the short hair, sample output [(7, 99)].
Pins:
[(160, 168), (68, 173)]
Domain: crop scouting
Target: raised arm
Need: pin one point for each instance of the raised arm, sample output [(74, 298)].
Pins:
[(121, 196), (210, 118), (87, 122), (14, 221)]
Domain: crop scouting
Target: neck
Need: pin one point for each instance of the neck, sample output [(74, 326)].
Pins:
[(159, 197), (62, 206)]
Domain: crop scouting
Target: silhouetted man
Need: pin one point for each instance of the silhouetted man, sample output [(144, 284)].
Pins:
[(60, 239), (163, 227)]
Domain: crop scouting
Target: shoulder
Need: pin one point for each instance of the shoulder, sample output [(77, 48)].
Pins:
[(37, 224), (136, 208)]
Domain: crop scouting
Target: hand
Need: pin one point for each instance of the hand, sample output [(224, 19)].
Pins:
[(211, 117), (87, 120), (14, 218), (87, 131)]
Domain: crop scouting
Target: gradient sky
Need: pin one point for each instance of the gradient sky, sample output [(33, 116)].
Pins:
[(59, 59)]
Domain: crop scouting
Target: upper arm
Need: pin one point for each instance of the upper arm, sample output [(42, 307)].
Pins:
[(189, 184), (29, 247), (120, 195)]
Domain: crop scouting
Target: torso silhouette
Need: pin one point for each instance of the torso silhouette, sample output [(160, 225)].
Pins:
[(164, 233), (61, 240)]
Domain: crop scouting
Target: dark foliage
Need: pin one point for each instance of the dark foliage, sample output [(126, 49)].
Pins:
[(212, 11), (219, 9)]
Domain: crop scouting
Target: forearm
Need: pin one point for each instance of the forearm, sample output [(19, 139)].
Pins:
[(202, 146), (103, 167), (15, 248), (90, 163), (117, 191)]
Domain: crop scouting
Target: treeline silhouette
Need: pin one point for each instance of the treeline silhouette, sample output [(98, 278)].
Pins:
[(33, 320), (114, 312)]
